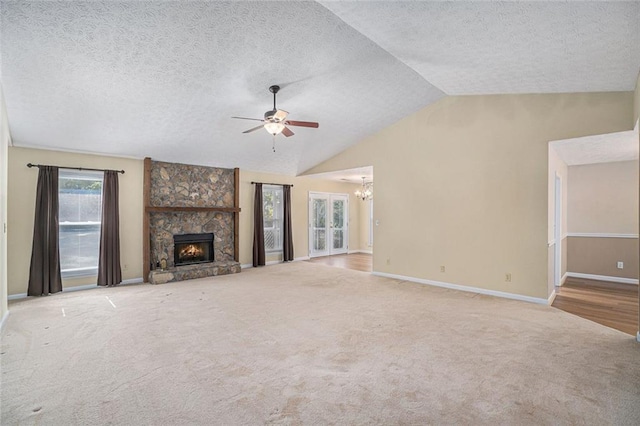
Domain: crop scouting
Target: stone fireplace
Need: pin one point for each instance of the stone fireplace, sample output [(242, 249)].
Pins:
[(191, 249), (192, 216)]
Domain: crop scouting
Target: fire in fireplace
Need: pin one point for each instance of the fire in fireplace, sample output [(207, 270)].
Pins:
[(192, 248)]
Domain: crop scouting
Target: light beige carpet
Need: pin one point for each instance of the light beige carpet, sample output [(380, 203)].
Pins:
[(309, 344)]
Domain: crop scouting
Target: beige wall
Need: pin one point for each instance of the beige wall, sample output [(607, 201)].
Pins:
[(364, 220), (22, 194), (4, 161), (603, 198), (300, 210), (463, 183), (599, 256)]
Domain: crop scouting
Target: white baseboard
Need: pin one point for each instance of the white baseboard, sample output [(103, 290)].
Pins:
[(603, 278), (301, 259), (360, 251), (479, 290), (552, 298), (246, 265), (562, 280), (16, 296), (79, 287), (638, 337), (4, 320)]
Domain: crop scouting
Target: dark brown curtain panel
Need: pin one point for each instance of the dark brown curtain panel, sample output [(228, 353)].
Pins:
[(258, 228), (109, 271), (287, 235), (44, 272)]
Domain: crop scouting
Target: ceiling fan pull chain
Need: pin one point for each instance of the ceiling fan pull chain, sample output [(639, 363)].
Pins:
[(274, 143)]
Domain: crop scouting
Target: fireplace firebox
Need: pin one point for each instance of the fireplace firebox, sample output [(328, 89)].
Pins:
[(189, 249)]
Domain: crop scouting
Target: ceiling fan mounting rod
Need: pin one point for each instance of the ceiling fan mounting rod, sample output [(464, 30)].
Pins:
[(274, 89)]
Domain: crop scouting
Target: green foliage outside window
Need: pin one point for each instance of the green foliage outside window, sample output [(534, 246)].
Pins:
[(83, 184)]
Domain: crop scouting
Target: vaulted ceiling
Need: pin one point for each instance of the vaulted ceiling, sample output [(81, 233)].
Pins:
[(162, 79)]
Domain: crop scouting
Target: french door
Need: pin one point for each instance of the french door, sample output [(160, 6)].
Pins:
[(328, 224)]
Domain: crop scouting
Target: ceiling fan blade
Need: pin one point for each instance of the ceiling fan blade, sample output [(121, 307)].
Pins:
[(301, 123), (287, 132), (280, 115), (254, 129), (245, 118)]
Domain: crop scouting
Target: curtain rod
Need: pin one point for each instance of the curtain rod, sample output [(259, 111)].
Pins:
[(269, 183), (75, 168)]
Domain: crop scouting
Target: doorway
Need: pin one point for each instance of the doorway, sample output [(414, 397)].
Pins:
[(557, 233), (328, 224)]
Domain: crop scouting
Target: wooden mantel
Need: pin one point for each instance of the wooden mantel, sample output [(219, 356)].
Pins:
[(148, 209)]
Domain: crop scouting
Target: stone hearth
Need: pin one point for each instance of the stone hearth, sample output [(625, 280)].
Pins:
[(190, 272)]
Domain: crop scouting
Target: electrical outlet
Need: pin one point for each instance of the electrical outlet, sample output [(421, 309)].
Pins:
[(507, 277), (620, 265), (388, 261), (442, 269)]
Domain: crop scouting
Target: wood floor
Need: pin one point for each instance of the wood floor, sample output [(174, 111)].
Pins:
[(357, 261), (612, 304)]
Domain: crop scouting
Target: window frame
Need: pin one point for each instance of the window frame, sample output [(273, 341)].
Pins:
[(89, 175)]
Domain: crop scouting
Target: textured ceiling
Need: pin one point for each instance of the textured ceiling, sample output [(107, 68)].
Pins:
[(620, 146), (162, 79), (467, 48)]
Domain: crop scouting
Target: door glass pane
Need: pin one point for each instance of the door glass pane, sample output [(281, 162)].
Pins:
[(319, 240), (319, 213), (338, 238), (338, 214)]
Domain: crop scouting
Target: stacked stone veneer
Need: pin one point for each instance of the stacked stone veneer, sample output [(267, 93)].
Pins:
[(182, 185)]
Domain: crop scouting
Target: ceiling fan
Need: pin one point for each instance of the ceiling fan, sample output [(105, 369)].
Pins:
[(275, 121)]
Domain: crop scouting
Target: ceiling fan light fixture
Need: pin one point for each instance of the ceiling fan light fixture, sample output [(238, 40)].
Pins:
[(274, 128)]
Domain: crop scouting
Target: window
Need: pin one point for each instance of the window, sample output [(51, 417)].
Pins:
[(272, 217), (80, 201)]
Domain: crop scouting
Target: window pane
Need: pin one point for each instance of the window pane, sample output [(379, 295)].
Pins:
[(80, 210), (319, 208), (79, 245), (268, 203), (269, 239), (338, 235), (338, 214), (272, 217), (319, 240)]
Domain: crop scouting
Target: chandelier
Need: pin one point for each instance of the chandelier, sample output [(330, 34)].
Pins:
[(366, 193)]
